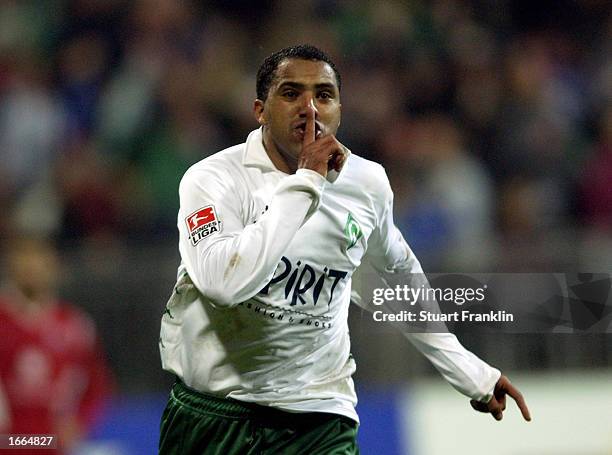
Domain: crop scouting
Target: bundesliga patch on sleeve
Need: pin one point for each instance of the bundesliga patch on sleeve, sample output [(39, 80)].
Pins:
[(202, 223)]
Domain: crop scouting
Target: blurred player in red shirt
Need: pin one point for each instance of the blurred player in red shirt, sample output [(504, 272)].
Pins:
[(53, 374)]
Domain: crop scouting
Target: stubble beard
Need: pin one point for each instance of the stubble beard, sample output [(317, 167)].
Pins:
[(290, 157)]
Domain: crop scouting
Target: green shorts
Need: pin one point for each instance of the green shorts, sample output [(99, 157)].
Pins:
[(196, 423)]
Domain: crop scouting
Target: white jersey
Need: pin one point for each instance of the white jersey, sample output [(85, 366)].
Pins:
[(259, 312)]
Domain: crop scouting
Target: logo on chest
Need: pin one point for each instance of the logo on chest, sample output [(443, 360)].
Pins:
[(303, 283), (352, 231)]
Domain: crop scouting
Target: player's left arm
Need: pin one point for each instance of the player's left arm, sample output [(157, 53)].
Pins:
[(392, 258), (497, 404)]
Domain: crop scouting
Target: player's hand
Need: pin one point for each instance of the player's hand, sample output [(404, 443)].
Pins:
[(497, 404), (320, 154)]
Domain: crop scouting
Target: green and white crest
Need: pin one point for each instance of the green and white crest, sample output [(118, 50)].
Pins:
[(352, 231)]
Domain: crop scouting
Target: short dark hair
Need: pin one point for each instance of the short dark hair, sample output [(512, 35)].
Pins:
[(267, 70)]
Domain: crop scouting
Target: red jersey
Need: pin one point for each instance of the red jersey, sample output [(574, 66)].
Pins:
[(52, 369)]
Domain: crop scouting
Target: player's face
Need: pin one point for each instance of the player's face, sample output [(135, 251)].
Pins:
[(298, 86), (33, 269)]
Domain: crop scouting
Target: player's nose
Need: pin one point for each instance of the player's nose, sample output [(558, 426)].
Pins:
[(308, 104)]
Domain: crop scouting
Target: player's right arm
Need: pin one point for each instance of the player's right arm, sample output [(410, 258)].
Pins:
[(233, 263)]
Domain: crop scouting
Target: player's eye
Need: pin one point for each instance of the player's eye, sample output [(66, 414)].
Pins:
[(325, 95), (291, 94)]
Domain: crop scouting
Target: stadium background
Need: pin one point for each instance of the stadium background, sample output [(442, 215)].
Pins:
[(492, 118)]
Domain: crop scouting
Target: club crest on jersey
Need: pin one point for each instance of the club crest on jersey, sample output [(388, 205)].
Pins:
[(202, 223), (352, 231)]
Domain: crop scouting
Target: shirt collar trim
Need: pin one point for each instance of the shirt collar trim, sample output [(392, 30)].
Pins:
[(255, 154)]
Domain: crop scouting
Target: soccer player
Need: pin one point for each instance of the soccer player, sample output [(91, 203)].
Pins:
[(54, 378), (271, 232)]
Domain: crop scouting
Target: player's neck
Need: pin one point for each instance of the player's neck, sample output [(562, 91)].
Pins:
[(29, 302)]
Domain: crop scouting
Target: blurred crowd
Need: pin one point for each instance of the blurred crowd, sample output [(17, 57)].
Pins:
[(492, 118)]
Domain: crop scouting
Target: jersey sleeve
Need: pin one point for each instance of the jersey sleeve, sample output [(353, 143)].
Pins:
[(228, 257), (392, 258)]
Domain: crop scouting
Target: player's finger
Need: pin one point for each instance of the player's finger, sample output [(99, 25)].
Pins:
[(336, 160), (339, 162), (520, 401), (309, 131), (479, 406), (343, 157)]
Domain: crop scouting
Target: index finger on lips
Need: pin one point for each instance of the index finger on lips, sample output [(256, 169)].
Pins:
[(309, 131)]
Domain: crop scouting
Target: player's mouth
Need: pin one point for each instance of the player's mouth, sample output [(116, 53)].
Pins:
[(300, 129)]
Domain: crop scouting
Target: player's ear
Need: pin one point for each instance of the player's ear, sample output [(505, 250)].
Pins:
[(259, 113)]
